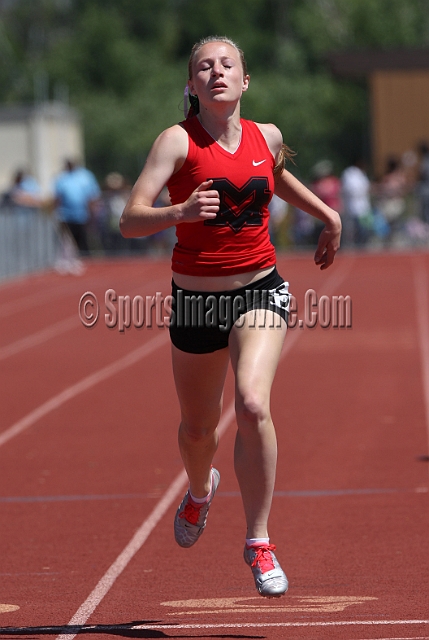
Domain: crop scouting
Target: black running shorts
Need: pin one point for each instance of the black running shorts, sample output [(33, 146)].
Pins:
[(201, 321)]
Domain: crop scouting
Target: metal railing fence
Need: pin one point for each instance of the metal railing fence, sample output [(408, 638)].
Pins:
[(29, 241)]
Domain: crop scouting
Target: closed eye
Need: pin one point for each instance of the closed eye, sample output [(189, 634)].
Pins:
[(208, 64)]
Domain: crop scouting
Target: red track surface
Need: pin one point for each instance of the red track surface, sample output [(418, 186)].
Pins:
[(87, 461)]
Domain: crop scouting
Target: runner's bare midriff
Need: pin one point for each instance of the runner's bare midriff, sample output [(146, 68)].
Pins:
[(219, 283)]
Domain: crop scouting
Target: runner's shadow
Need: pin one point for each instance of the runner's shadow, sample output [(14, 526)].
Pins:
[(127, 630)]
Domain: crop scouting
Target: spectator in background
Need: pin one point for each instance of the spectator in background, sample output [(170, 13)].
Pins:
[(422, 187), (327, 187), (76, 193), (24, 194), (115, 196), (278, 209), (356, 189), (390, 194), (162, 243), (302, 228)]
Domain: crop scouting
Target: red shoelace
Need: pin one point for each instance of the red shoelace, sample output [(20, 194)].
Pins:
[(191, 513), (264, 558)]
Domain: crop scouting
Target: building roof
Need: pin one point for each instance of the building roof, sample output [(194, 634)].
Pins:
[(364, 62)]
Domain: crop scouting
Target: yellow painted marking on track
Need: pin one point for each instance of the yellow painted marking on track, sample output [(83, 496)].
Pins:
[(316, 604), (6, 608)]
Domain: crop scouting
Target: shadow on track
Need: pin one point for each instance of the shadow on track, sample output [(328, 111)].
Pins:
[(127, 630)]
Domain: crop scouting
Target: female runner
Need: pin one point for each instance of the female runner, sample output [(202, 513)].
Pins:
[(221, 172)]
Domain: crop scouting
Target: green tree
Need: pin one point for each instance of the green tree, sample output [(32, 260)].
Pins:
[(123, 64)]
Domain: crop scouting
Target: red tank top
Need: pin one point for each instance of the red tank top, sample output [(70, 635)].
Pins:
[(237, 240)]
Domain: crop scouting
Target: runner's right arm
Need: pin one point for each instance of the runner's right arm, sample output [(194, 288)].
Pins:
[(140, 217)]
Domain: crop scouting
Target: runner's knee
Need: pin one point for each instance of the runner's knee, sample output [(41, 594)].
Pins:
[(251, 410), (199, 428)]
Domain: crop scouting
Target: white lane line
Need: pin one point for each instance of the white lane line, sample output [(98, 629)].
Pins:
[(56, 329), (109, 578), (256, 625), (52, 291), (329, 286), (137, 541), (395, 638), (56, 291), (39, 337), (422, 305), (83, 385), (36, 299)]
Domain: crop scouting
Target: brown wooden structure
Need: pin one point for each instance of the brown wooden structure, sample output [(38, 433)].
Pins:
[(399, 98)]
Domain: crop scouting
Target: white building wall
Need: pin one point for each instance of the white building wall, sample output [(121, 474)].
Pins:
[(38, 139), (14, 151)]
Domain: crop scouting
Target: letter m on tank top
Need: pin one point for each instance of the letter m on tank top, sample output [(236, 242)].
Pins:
[(240, 207)]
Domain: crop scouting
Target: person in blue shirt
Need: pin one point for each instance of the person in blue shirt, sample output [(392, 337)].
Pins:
[(76, 191)]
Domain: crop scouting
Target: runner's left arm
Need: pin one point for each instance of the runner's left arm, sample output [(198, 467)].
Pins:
[(290, 189), (295, 193)]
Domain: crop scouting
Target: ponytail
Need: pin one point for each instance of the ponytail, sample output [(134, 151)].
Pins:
[(194, 109), (192, 104), (286, 154)]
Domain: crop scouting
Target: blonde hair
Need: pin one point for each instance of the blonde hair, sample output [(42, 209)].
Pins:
[(286, 154), (198, 45)]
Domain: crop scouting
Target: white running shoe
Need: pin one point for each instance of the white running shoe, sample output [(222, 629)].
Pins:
[(190, 519), (270, 579)]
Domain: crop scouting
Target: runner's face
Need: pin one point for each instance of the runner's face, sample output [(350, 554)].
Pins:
[(217, 74)]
